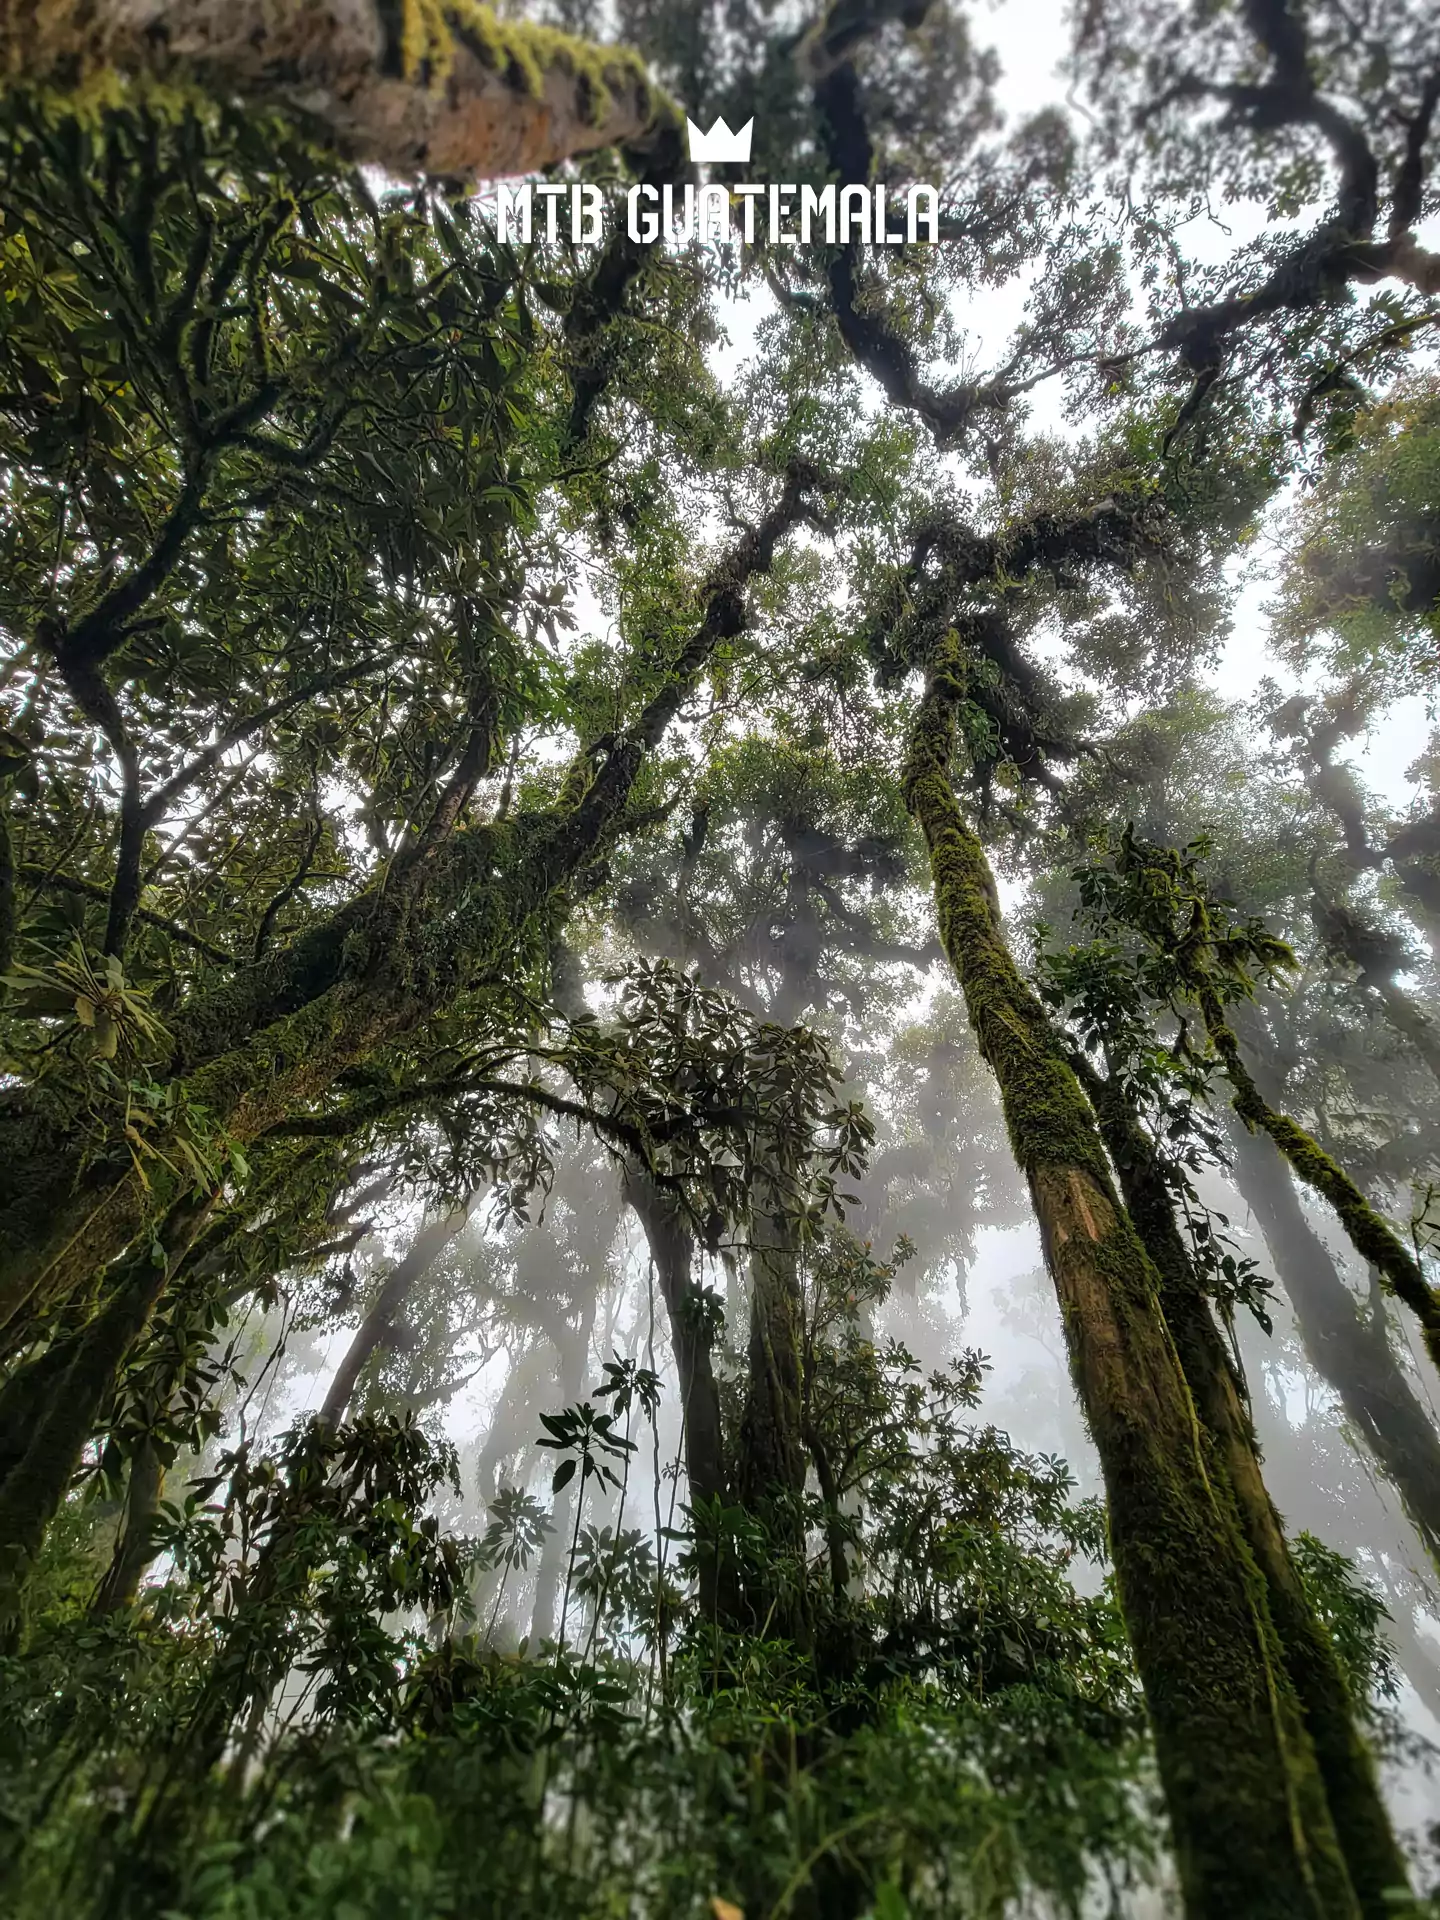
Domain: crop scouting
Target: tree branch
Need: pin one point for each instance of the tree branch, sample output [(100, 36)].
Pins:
[(439, 86), (90, 890)]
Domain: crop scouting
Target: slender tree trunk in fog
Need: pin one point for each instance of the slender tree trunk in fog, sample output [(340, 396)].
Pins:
[(425, 1250), (1349, 1348), (508, 1431), (672, 1248), (134, 1549), (1369, 1233), (1299, 1637), (1253, 1836), (1411, 1020), (574, 1354)]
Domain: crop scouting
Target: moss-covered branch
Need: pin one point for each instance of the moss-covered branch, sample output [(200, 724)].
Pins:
[(439, 86), (1371, 1238)]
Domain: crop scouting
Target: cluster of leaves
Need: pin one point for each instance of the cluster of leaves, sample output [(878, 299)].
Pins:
[(1124, 997), (716, 1098), (1363, 590)]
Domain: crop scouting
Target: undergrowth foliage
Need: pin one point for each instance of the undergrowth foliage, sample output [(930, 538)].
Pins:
[(961, 1723)]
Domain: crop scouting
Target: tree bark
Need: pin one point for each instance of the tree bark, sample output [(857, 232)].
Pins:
[(67, 1415), (772, 1454), (1352, 1790), (134, 1548), (672, 1248), (1349, 1350), (772, 1458), (425, 1250), (1253, 1836), (439, 86)]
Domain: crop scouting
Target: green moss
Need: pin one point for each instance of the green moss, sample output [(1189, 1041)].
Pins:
[(521, 52), (1048, 1118), (423, 36), (1296, 1637), (1371, 1238)]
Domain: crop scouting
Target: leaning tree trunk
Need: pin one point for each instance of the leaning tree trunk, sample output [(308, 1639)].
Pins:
[(1352, 1790), (574, 1354), (1350, 1350), (134, 1546), (1397, 1266), (1253, 1836), (77, 1388), (426, 1248), (445, 89), (274, 1039)]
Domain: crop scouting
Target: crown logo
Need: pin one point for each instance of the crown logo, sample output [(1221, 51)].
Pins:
[(719, 143)]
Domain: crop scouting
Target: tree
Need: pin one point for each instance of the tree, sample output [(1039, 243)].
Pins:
[(371, 431)]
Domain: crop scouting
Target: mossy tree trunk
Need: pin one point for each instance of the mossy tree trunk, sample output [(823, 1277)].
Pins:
[(134, 1545), (1399, 1269), (1362, 1824), (1349, 1349), (75, 1388), (436, 86), (772, 1459), (1254, 1836), (772, 1454)]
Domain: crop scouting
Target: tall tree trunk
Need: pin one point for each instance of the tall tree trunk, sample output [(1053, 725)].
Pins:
[(1352, 1789), (67, 1415), (574, 1355), (1253, 1836), (444, 89), (771, 1455), (425, 1250), (672, 1248), (1418, 1027), (134, 1547), (1348, 1348), (506, 1436)]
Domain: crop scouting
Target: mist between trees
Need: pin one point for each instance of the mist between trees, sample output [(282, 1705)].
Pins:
[(587, 1326)]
